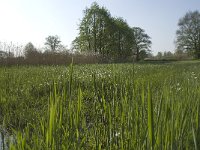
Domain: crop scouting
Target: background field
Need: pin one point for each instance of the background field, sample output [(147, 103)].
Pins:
[(107, 106)]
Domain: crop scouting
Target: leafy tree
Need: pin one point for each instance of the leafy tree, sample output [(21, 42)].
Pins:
[(111, 37), (159, 55), (53, 43), (92, 30), (100, 33), (123, 38), (168, 54), (143, 54), (142, 41), (188, 34), (29, 50)]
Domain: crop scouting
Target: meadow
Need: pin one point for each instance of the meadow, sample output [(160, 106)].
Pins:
[(101, 106)]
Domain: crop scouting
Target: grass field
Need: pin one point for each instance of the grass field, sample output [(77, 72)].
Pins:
[(107, 106)]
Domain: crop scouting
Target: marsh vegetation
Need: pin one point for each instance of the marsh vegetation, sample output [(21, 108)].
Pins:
[(116, 106)]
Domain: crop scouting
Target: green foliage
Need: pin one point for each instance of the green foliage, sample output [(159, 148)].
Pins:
[(111, 37), (116, 106), (188, 34), (142, 43), (29, 50), (52, 43)]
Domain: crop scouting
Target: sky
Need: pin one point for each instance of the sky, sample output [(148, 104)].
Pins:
[(23, 21)]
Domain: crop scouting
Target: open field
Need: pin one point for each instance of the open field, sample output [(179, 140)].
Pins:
[(108, 106)]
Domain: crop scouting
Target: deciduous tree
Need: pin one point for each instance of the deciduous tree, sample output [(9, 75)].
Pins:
[(29, 50), (188, 34), (111, 37), (142, 41), (53, 43)]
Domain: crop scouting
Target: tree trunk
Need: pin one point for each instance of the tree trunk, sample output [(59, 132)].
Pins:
[(95, 38), (198, 54), (137, 55)]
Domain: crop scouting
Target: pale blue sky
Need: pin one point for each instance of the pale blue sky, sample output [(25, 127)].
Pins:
[(33, 20)]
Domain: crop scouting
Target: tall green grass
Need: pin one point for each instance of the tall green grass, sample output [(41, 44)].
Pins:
[(116, 106)]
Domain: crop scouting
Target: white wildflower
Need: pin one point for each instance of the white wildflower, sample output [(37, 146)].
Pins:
[(178, 89), (117, 134)]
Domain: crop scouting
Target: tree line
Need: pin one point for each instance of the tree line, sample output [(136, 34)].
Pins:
[(104, 38), (112, 37)]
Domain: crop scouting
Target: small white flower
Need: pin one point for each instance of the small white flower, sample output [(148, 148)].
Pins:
[(117, 134)]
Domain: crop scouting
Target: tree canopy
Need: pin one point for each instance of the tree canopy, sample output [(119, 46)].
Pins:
[(53, 43), (111, 37), (29, 50), (188, 34), (142, 42)]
